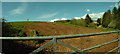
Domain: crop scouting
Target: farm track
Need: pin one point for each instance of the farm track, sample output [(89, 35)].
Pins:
[(52, 29)]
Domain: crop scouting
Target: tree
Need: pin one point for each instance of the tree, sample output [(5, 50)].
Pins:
[(106, 19), (114, 17), (114, 13), (118, 19), (99, 21), (73, 21), (88, 19)]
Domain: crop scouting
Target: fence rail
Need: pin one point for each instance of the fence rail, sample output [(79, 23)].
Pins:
[(54, 40)]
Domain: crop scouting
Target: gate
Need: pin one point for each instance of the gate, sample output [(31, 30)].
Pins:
[(54, 41)]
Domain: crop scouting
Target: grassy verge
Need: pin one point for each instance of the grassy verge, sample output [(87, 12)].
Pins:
[(15, 28), (102, 29)]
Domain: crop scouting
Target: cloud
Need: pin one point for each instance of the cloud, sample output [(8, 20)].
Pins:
[(48, 15), (94, 15), (54, 20), (77, 18), (64, 19), (58, 19), (19, 10), (88, 10)]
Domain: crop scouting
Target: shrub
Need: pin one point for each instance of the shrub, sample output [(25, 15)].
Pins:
[(36, 33), (73, 21), (21, 34), (99, 21), (93, 25), (81, 22), (88, 19)]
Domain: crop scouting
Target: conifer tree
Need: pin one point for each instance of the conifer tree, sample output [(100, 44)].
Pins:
[(99, 21), (118, 19), (106, 18), (88, 19), (114, 13)]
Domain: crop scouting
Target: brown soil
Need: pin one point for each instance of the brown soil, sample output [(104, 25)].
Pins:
[(52, 29)]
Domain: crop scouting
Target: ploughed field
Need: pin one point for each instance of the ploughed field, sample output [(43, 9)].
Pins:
[(52, 29)]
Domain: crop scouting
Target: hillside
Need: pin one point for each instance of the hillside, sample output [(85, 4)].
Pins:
[(52, 29)]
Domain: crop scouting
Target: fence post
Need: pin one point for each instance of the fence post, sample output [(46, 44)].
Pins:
[(118, 42), (54, 45)]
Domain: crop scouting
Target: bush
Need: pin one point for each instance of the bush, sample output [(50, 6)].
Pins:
[(22, 34), (88, 19), (81, 22), (36, 33), (9, 30), (73, 21), (92, 25)]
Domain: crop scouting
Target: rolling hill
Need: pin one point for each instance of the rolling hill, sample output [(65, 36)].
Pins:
[(52, 29)]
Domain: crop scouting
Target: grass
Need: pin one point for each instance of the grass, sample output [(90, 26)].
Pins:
[(70, 24), (15, 28), (102, 29), (20, 25)]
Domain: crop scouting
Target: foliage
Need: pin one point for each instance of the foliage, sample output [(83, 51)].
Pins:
[(21, 33), (118, 19), (99, 21), (115, 22), (14, 28), (106, 19), (112, 24), (81, 22), (35, 33), (73, 21), (114, 13), (63, 21), (88, 19), (10, 30), (92, 25)]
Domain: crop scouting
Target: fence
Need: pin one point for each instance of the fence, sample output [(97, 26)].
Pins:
[(54, 40)]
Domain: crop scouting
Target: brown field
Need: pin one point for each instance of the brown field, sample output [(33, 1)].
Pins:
[(52, 29)]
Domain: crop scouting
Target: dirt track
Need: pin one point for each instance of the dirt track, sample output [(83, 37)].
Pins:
[(51, 29)]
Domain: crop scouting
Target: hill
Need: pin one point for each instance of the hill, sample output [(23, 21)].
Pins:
[(52, 29)]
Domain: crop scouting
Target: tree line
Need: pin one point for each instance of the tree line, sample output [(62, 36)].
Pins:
[(110, 19)]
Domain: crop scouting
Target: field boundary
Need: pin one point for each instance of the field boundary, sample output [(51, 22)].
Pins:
[(54, 41)]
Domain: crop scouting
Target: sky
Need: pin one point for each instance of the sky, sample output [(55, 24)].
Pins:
[(51, 11), (59, 0)]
